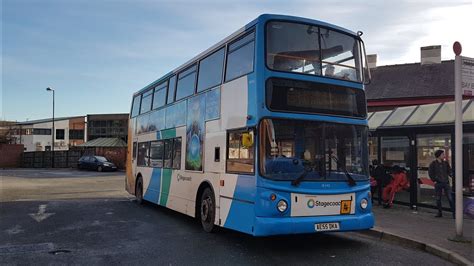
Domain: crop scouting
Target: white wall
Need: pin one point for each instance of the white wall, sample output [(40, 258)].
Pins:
[(39, 142)]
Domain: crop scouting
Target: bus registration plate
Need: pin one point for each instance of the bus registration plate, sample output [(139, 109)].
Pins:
[(326, 227)]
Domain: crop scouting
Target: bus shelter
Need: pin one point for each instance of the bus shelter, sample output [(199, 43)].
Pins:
[(409, 136)]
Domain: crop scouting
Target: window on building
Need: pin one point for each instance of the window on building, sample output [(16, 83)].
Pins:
[(76, 134), (136, 105), (60, 133), (168, 153), (171, 89), (159, 97), (143, 154), (156, 154), (240, 57), (146, 101), (186, 83), (210, 70), (41, 131), (177, 153), (240, 151)]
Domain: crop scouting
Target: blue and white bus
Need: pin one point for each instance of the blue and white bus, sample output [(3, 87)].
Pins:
[(264, 133)]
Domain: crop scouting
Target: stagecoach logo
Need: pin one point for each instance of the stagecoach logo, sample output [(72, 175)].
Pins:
[(183, 178), (311, 203)]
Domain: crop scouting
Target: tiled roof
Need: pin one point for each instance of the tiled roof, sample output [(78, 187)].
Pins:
[(411, 80), (104, 142)]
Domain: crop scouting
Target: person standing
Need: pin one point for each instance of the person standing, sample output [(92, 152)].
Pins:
[(439, 171), (378, 173)]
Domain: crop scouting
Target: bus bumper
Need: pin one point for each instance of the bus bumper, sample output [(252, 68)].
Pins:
[(265, 226)]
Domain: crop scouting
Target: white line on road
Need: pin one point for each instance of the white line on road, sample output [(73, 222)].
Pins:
[(41, 215)]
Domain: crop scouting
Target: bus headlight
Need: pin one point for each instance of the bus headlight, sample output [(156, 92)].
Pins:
[(364, 203), (282, 206)]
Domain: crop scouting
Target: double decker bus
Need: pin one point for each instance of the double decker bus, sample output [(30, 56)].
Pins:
[(264, 133)]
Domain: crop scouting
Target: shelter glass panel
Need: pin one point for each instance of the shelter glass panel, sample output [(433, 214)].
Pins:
[(377, 119), (399, 116), (422, 114), (446, 113), (469, 113), (396, 151), (427, 145)]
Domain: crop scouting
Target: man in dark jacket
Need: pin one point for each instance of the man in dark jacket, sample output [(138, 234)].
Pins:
[(439, 171), (379, 174)]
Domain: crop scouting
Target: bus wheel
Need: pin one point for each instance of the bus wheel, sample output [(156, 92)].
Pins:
[(208, 210), (139, 190)]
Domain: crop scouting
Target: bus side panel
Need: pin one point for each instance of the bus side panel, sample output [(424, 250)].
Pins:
[(172, 192), (152, 184), (237, 202), (234, 101), (151, 176), (178, 188)]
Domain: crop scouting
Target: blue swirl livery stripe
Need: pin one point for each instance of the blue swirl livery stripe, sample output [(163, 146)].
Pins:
[(152, 193), (241, 215)]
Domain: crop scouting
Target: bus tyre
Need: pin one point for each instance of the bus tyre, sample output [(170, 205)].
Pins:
[(208, 210), (139, 191)]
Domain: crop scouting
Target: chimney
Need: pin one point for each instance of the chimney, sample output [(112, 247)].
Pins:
[(431, 55), (372, 60)]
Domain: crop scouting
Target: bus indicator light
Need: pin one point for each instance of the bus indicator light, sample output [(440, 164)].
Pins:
[(273, 197)]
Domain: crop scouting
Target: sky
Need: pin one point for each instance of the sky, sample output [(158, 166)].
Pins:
[(96, 54)]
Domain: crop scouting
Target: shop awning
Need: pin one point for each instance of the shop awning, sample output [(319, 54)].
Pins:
[(420, 115)]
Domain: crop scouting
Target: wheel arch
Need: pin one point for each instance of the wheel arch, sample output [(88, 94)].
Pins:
[(204, 184), (139, 176)]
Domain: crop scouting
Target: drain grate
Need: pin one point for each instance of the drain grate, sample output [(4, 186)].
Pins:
[(28, 248)]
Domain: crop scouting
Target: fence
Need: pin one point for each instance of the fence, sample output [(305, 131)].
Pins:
[(42, 159), (68, 159)]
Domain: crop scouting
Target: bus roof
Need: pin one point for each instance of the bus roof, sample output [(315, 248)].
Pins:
[(260, 19)]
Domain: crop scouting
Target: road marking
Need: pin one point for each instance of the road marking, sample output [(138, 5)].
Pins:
[(14, 230), (41, 215), (26, 248)]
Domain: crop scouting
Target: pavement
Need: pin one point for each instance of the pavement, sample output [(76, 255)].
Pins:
[(419, 229)]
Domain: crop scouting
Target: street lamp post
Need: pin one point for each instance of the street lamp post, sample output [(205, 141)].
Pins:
[(52, 133)]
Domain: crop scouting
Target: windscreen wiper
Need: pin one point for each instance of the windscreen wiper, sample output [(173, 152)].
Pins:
[(297, 181), (350, 180)]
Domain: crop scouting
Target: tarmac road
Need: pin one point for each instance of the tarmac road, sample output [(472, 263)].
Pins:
[(91, 227)]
